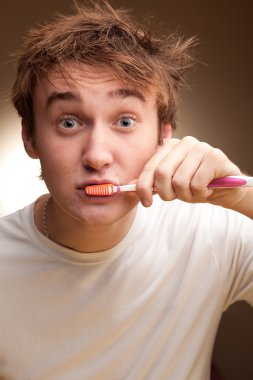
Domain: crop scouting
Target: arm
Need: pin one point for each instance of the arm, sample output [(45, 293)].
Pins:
[(245, 206), (182, 169)]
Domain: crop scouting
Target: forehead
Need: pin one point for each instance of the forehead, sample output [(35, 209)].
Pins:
[(73, 73), (77, 75), (78, 81)]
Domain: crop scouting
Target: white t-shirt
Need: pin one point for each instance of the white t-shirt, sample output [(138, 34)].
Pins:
[(147, 309)]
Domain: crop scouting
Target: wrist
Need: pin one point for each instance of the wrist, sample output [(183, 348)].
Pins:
[(245, 204)]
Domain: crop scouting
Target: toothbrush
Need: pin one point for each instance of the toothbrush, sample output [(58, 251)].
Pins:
[(231, 182), (107, 189)]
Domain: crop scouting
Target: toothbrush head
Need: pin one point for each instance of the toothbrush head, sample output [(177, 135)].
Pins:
[(104, 189)]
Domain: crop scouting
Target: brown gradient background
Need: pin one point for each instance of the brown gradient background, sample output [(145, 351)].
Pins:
[(218, 109)]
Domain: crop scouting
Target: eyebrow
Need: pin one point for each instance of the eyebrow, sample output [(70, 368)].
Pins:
[(66, 96), (127, 92), (72, 96)]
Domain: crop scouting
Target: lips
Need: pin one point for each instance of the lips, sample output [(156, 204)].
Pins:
[(96, 182), (98, 198), (92, 182)]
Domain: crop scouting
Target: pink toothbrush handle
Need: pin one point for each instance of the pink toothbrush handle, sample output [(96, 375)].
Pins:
[(227, 182)]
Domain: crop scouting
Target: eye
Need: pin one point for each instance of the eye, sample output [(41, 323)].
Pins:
[(126, 122), (69, 123)]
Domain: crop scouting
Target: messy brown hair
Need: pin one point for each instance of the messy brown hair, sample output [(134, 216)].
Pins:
[(99, 34)]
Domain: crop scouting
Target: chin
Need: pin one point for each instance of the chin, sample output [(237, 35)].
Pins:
[(107, 214)]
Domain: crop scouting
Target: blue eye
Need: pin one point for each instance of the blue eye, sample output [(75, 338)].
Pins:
[(69, 123), (126, 122)]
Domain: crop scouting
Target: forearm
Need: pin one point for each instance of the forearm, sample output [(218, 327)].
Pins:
[(245, 206)]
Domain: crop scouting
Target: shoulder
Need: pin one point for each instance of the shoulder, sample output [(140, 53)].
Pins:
[(12, 225), (213, 225), (183, 213)]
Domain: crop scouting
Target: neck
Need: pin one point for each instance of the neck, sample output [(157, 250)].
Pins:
[(94, 239), (79, 236)]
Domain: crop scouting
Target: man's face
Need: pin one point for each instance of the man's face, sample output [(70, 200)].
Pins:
[(91, 129)]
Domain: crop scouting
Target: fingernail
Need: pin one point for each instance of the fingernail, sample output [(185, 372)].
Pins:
[(146, 202)]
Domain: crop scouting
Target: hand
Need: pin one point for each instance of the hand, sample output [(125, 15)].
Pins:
[(183, 169)]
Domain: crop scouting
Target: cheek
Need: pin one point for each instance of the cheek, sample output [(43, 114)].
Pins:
[(56, 162), (139, 156)]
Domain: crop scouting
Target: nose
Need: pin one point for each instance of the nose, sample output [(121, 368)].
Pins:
[(97, 153)]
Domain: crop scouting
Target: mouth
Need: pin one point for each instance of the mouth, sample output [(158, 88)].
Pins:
[(81, 189)]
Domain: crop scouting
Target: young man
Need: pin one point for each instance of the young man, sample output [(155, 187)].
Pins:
[(133, 285)]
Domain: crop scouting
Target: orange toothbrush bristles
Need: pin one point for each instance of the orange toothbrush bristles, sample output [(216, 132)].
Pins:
[(104, 189)]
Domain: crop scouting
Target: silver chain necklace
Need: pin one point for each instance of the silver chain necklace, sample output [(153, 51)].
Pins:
[(44, 218)]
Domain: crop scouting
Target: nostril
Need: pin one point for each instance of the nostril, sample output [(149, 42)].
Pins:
[(90, 169), (97, 154)]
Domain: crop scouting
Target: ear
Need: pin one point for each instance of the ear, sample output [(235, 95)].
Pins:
[(166, 132), (28, 141)]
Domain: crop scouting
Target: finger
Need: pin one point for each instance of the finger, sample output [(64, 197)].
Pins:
[(168, 167), (186, 172), (145, 183), (214, 165)]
